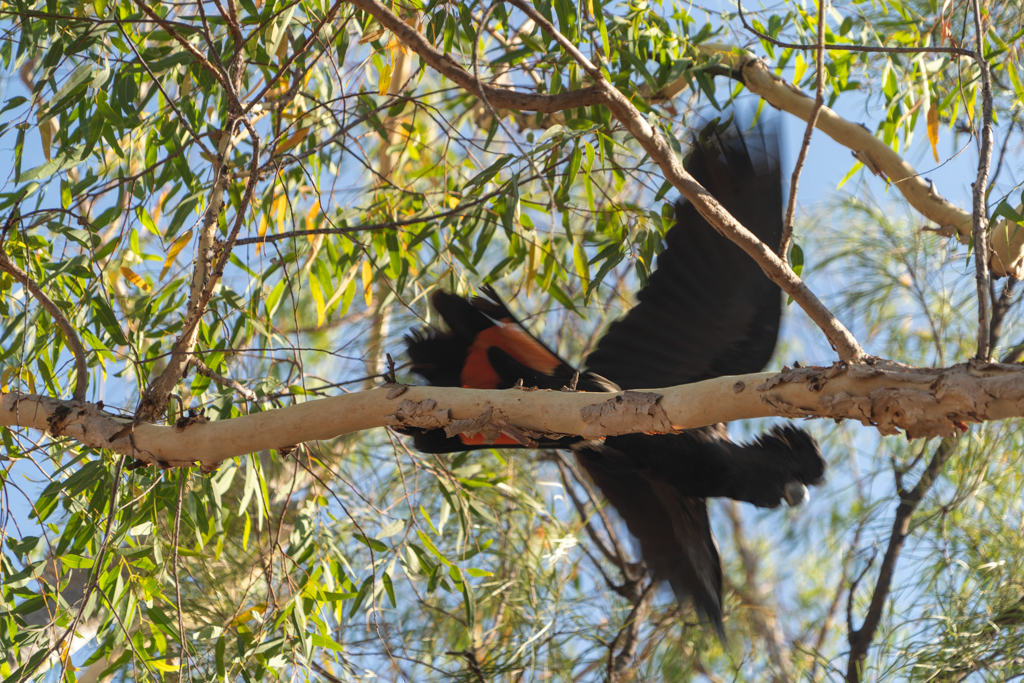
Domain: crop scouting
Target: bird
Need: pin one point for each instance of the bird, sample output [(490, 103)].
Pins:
[(706, 311)]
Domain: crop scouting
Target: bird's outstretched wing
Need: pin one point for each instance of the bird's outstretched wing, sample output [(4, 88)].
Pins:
[(708, 310)]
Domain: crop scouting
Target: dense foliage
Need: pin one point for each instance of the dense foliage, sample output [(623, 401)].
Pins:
[(328, 180)]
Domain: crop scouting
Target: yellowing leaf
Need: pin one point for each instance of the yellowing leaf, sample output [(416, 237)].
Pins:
[(318, 298), (167, 665), (278, 209), (394, 46), (933, 129), (173, 252), (367, 282), (261, 231), (248, 614), (579, 257), (134, 278), (384, 84), (452, 201), (294, 139), (799, 68), (534, 257), (314, 211)]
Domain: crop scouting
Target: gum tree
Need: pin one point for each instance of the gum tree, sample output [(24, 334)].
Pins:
[(220, 218)]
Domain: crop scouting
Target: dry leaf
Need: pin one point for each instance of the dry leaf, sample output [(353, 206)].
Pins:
[(134, 278), (933, 129)]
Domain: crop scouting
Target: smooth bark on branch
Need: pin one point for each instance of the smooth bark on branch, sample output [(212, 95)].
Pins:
[(1006, 248), (923, 402)]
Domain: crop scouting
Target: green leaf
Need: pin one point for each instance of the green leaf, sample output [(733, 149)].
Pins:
[(72, 561), (432, 548), (371, 543), (364, 590), (389, 588), (108, 319), (327, 643)]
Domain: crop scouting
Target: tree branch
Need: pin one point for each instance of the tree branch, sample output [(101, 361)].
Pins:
[(1006, 248), (762, 614), (655, 144), (500, 98), (213, 69), (204, 370), (860, 639), (922, 402), (980, 218), (208, 271), (819, 102), (70, 335), (1000, 308), (629, 638)]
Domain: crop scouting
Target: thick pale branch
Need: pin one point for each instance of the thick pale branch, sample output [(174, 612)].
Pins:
[(923, 402), (1006, 256)]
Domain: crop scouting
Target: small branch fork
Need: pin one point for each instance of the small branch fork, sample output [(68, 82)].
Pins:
[(860, 639), (70, 335), (628, 638)]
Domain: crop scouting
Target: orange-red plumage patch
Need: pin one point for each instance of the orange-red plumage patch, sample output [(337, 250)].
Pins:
[(477, 372), (478, 440)]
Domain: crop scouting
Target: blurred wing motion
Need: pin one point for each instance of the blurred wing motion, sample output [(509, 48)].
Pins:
[(707, 311)]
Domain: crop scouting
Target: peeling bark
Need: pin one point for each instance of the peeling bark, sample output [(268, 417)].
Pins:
[(922, 402)]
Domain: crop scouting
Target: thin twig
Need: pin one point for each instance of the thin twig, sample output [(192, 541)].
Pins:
[(763, 616), (70, 335), (980, 225), (614, 558), (206, 64), (204, 370), (819, 102), (860, 639), (620, 664), (609, 529), (91, 585)]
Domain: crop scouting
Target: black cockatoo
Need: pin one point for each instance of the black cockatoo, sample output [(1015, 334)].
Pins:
[(708, 310)]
